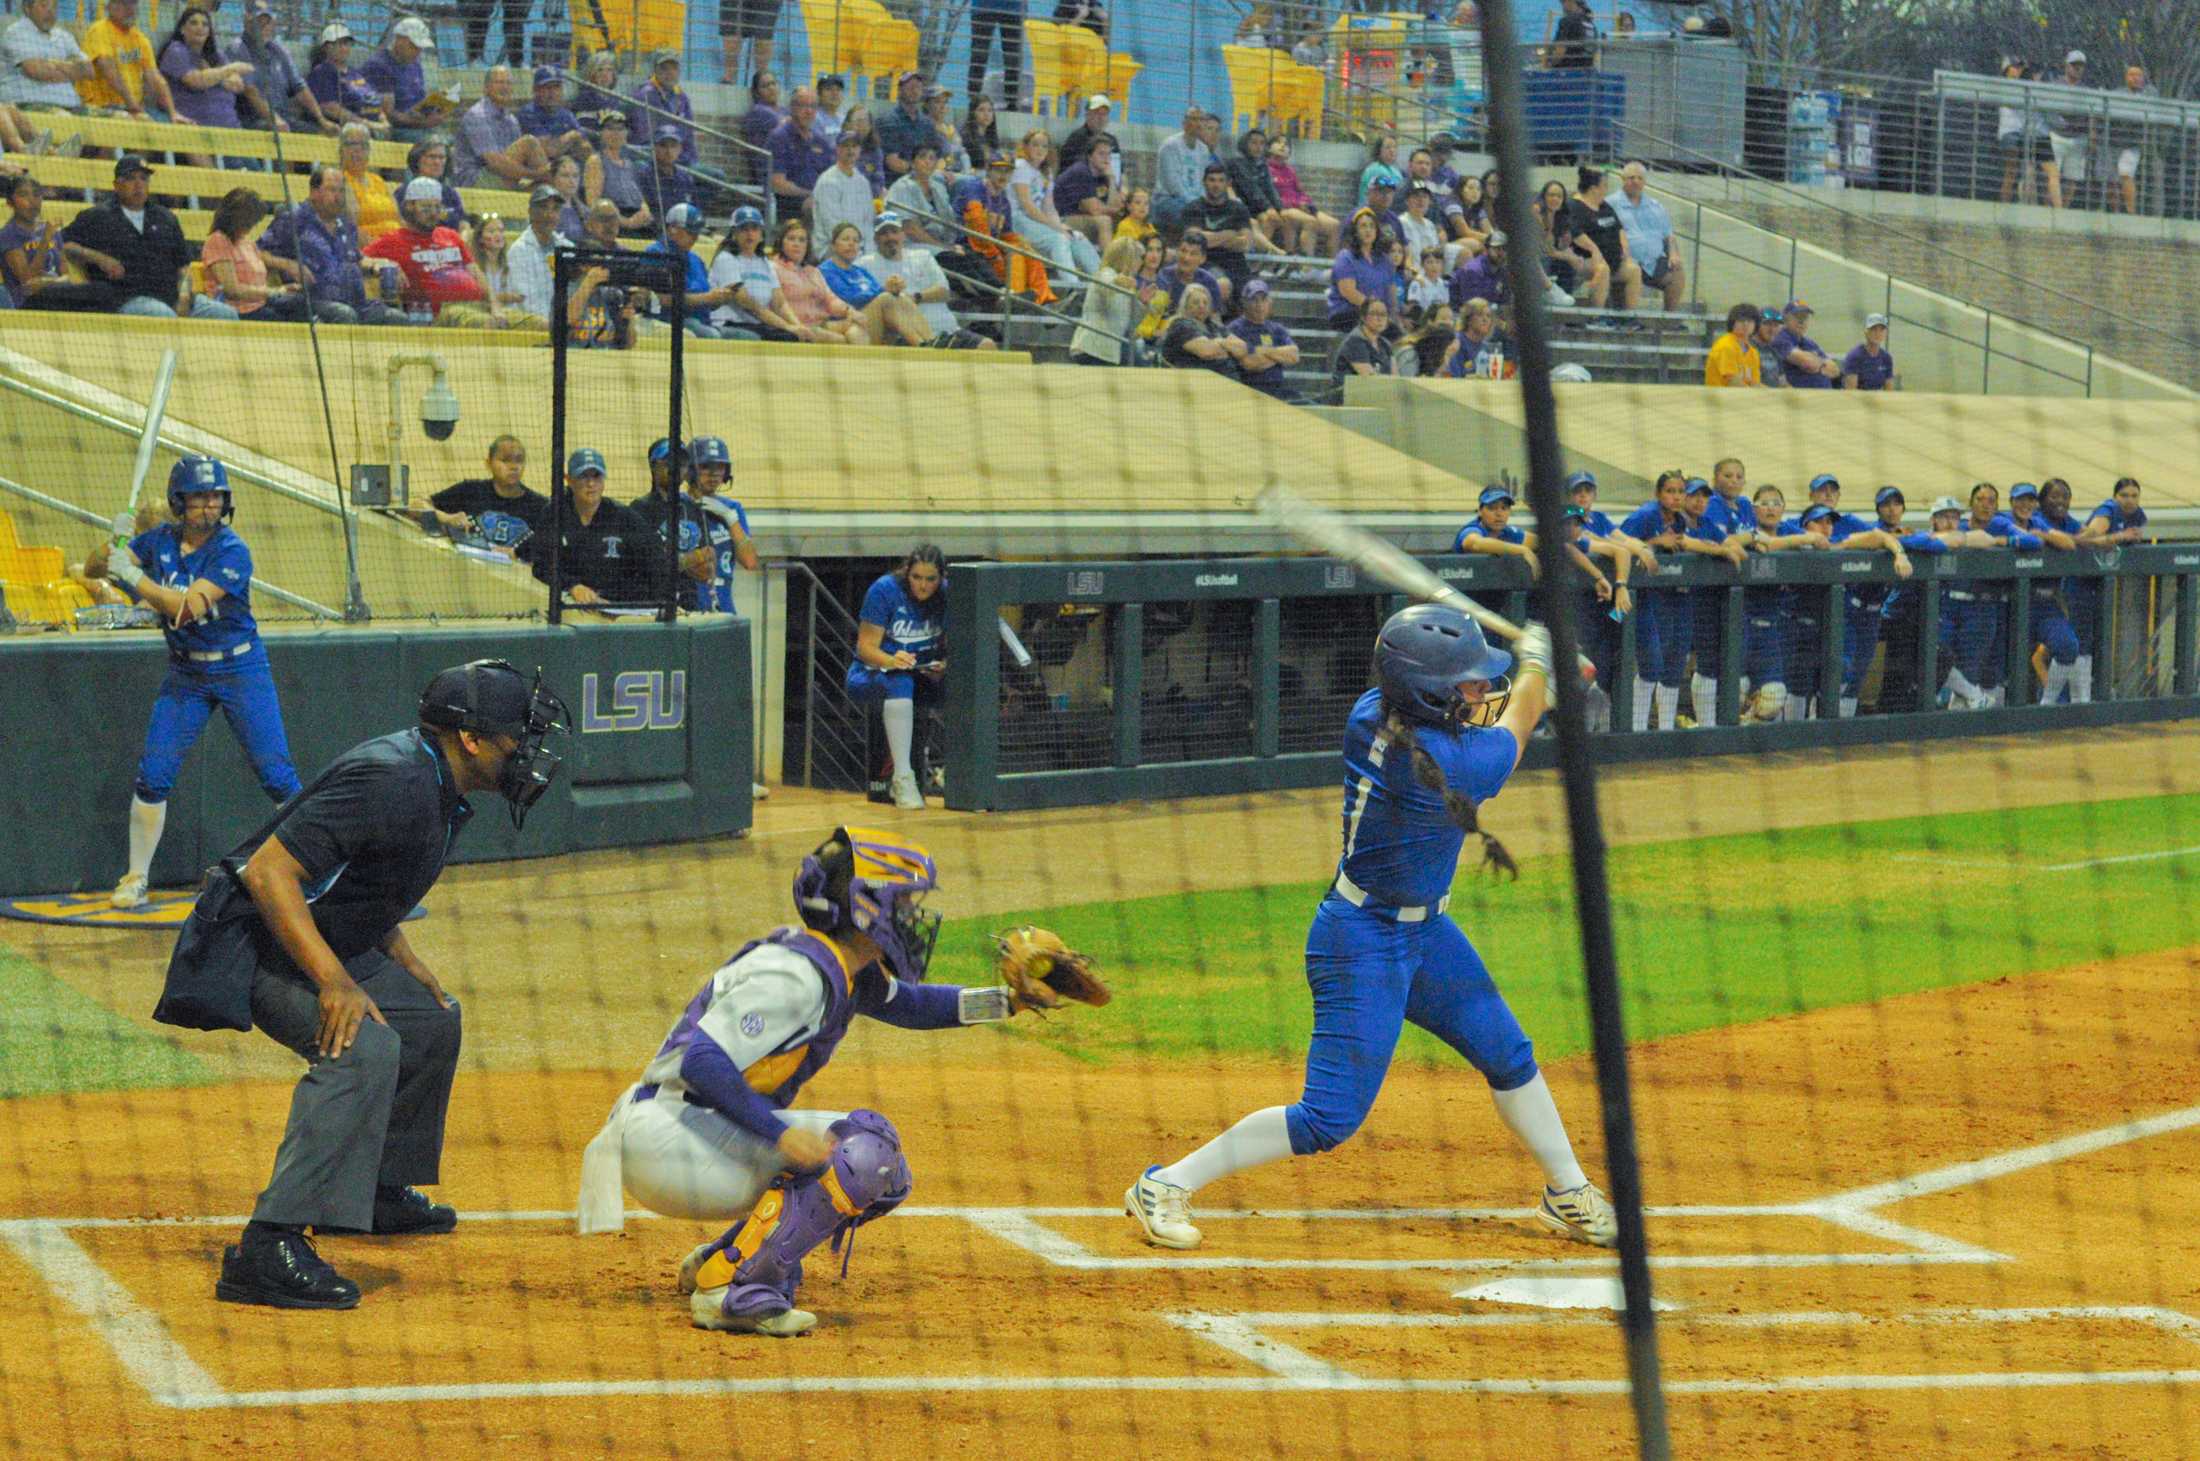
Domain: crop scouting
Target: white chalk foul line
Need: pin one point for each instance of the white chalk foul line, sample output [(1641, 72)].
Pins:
[(140, 1341), (1986, 1169), (2071, 867)]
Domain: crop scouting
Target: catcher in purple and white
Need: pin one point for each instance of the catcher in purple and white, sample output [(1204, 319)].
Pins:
[(709, 1133)]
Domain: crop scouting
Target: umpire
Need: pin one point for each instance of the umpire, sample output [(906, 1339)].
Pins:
[(329, 882)]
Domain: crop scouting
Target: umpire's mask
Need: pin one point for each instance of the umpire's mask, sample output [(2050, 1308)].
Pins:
[(491, 697)]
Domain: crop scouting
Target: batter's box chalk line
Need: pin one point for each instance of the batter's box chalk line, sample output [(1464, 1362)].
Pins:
[(152, 1356)]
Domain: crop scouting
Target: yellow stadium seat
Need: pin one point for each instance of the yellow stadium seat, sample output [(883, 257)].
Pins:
[(1256, 76), (628, 25), (887, 46), (839, 38), (1300, 93), (8, 538), (1055, 66), (1115, 82)]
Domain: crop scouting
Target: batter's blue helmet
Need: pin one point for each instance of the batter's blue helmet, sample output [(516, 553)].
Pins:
[(708, 451), (1422, 655), (199, 474)]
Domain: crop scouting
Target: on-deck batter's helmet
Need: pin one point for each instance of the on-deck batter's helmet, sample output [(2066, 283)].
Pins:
[(1422, 655), (708, 451), (873, 882), (199, 474), (490, 697)]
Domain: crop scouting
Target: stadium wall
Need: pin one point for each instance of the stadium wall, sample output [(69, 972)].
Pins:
[(660, 752)]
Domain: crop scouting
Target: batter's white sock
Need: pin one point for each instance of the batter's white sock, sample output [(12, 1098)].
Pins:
[(1848, 707), (901, 728), (146, 820), (1261, 1138), (1640, 711), (1533, 1117), (1669, 705), (2058, 680), (1706, 691), (2081, 681)]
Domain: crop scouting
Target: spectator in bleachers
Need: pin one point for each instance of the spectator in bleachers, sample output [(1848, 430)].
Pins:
[(1269, 349), (136, 247), (1464, 216), (1111, 308), (1478, 351), (1136, 223), (661, 94), (1572, 46), (430, 158), (492, 141), (1361, 272), (1869, 366), (1098, 111), (1650, 240), (599, 85), (751, 21), (600, 315), (1382, 163), (939, 110), (1802, 360), (125, 76), (2021, 134), (809, 300), (754, 305), (832, 106), (1483, 275), (667, 184), (31, 253), (493, 254), (1768, 331), (280, 98), (843, 192), (921, 197), (683, 226), (1254, 185), (1036, 220), (1194, 339), (607, 172), (1178, 167), (320, 235), (475, 35), (204, 86), (870, 153), (1306, 228), (368, 199), (2132, 141), (41, 63), (575, 210), (1591, 216), (400, 83), (799, 154), (1085, 195), (1733, 358), (1429, 289), (1573, 263), (239, 274), (987, 211), (1366, 350), (906, 127), (19, 134), (440, 273), (915, 275), (1229, 230), (1382, 200), (528, 263), (2070, 138), (981, 134), (997, 23), (885, 314), (337, 86), (764, 115), (1189, 267), (1418, 229)]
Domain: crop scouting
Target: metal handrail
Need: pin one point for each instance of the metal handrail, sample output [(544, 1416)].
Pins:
[(1009, 299), (849, 628), (739, 144)]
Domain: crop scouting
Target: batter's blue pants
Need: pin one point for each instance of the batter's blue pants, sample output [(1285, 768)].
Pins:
[(187, 698), (1369, 974), (869, 687), (1664, 630)]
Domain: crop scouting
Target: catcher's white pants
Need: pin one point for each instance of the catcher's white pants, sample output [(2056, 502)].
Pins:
[(680, 1160)]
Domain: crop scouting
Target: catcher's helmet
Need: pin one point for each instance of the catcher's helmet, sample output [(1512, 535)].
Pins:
[(195, 474), (873, 882), (490, 697), (708, 451), (1422, 655)]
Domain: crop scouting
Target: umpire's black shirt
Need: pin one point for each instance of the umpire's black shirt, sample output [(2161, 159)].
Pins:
[(372, 836)]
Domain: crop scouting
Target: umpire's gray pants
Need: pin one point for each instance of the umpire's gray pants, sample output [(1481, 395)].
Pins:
[(371, 1115)]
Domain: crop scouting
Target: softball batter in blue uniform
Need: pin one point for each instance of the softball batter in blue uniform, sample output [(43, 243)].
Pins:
[(901, 652), (1382, 951), (197, 573)]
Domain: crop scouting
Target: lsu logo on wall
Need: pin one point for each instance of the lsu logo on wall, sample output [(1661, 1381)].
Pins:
[(640, 700)]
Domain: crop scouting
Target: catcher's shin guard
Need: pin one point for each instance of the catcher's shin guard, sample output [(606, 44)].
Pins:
[(760, 1262)]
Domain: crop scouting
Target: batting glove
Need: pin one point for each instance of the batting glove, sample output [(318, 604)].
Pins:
[(1533, 649)]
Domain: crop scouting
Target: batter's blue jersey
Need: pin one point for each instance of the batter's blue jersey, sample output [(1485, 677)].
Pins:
[(698, 527), (1400, 845), (919, 628), (222, 560)]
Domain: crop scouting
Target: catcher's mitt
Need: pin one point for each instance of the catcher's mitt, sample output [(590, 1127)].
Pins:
[(1041, 971)]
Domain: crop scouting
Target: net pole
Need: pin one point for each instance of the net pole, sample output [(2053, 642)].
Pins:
[(561, 285), (676, 316), (1577, 772)]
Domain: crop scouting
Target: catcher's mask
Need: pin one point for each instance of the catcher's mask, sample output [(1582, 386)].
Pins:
[(873, 882), (491, 697)]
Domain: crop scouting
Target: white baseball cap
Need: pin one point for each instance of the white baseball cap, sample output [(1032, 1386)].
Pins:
[(414, 29), (1098, 103), (2075, 58), (1873, 322), (422, 190), (1946, 504), (335, 31)]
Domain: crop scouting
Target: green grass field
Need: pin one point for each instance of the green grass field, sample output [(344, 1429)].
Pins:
[(1712, 931)]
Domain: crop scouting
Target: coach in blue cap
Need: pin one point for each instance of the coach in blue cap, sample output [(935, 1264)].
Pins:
[(602, 553)]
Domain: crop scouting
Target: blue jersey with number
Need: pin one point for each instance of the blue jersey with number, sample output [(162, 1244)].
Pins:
[(919, 628), (222, 560), (1400, 845), (698, 527)]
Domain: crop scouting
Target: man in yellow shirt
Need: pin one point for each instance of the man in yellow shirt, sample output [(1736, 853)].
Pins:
[(124, 75), (1733, 360)]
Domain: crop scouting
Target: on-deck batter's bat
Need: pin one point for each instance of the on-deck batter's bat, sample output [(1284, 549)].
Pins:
[(125, 522), (1324, 530)]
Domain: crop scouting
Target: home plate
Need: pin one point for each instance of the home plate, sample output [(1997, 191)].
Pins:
[(1556, 1292)]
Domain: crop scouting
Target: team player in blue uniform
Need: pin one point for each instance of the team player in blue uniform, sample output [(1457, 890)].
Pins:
[(197, 574), (714, 528), (901, 654), (1662, 622), (1491, 530), (1714, 532), (1419, 755), (2051, 622), (2117, 521)]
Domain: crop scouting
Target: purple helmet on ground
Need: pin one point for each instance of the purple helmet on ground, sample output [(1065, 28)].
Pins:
[(873, 882), (1423, 654)]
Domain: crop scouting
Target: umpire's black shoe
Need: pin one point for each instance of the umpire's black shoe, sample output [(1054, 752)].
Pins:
[(282, 1270), (408, 1210)]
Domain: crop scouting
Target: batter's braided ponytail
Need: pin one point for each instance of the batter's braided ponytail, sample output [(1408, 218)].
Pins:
[(1457, 804)]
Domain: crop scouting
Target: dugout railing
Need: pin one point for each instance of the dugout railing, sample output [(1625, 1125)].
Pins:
[(1215, 676)]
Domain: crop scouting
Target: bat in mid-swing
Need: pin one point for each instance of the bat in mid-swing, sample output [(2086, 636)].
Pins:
[(155, 410), (1325, 531)]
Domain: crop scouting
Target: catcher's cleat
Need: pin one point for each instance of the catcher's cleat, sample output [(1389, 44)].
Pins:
[(706, 1310), (906, 794), (1583, 1214), (1163, 1211), (691, 1263)]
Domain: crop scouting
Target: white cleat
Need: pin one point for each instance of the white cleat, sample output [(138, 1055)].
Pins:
[(1163, 1211), (906, 794), (129, 893), (706, 1311), (690, 1264), (1583, 1214)]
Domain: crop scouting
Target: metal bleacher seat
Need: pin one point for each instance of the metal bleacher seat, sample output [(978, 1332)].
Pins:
[(154, 139), (209, 184)]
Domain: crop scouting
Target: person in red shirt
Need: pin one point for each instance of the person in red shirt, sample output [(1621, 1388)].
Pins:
[(440, 273)]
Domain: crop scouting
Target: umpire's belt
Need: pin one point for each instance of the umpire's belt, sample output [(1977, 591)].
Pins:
[(1358, 897), (215, 657)]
